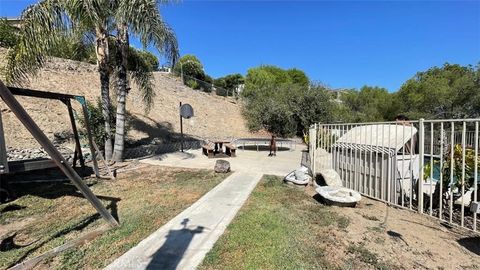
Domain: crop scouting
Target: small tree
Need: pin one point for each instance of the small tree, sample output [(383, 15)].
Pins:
[(189, 66)]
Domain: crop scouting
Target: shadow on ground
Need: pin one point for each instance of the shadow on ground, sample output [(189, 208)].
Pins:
[(261, 148), (173, 250), (156, 132), (471, 243), (52, 191)]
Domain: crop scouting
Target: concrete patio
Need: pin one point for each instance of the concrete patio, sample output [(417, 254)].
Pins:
[(246, 160)]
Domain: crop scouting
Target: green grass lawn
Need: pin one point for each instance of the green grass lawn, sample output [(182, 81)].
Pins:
[(48, 215), (275, 230)]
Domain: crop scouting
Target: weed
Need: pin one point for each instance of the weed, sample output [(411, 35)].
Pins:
[(374, 218)]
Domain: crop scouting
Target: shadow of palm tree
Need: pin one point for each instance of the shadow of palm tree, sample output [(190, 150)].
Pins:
[(161, 131), (173, 250)]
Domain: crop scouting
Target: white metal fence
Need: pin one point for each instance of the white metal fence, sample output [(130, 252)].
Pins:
[(430, 166)]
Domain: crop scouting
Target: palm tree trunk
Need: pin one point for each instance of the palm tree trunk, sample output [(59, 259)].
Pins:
[(121, 59), (102, 51)]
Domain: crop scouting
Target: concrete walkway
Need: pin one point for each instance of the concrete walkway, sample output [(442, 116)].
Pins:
[(184, 241)]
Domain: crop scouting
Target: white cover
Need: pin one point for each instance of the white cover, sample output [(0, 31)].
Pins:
[(299, 177), (339, 195)]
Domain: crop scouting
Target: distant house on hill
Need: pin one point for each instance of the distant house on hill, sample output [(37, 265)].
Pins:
[(239, 88)]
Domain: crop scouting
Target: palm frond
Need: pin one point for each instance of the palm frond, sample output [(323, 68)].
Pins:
[(42, 25), (142, 77), (145, 22)]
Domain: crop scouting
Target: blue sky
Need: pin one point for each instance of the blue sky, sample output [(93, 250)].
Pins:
[(342, 44)]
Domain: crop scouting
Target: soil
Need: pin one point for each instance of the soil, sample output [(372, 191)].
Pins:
[(401, 238)]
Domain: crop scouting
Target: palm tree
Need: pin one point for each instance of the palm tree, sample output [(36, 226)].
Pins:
[(143, 19), (46, 22), (44, 26)]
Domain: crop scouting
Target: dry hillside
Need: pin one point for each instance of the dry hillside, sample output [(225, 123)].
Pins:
[(215, 117)]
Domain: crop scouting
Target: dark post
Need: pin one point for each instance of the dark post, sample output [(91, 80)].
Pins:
[(78, 147), (37, 133), (3, 150), (90, 140), (181, 127)]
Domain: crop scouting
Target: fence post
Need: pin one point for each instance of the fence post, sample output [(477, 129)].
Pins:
[(421, 141), (312, 139)]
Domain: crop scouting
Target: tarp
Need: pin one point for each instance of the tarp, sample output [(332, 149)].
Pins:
[(382, 138)]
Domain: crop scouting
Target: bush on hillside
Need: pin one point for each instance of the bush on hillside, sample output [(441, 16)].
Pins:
[(8, 34)]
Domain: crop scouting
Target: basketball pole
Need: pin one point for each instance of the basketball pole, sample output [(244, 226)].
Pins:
[(181, 127)]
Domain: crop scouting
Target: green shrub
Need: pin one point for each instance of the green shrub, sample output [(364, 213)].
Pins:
[(97, 122), (8, 34)]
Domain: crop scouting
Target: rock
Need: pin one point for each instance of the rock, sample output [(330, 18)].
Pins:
[(222, 166)]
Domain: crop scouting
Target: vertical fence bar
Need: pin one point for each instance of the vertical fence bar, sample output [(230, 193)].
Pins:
[(431, 168), (382, 178), (440, 201), (402, 183), (411, 184), (376, 163), (475, 173), (370, 165), (421, 142), (343, 151), (452, 149), (464, 130), (395, 165), (340, 150), (313, 148), (364, 157), (355, 170), (389, 167), (350, 166), (349, 162)]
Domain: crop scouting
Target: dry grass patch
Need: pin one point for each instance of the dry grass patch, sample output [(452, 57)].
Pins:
[(281, 227), (48, 215)]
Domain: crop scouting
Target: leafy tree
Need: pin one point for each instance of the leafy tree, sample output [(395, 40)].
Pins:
[(312, 105), (451, 91), (228, 85), (149, 58), (283, 102), (370, 104), (189, 66), (298, 77)]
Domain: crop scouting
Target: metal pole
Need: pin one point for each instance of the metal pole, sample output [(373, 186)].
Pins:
[(181, 71), (181, 129), (42, 139)]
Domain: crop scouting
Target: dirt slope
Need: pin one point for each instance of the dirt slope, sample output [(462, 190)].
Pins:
[(215, 117)]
